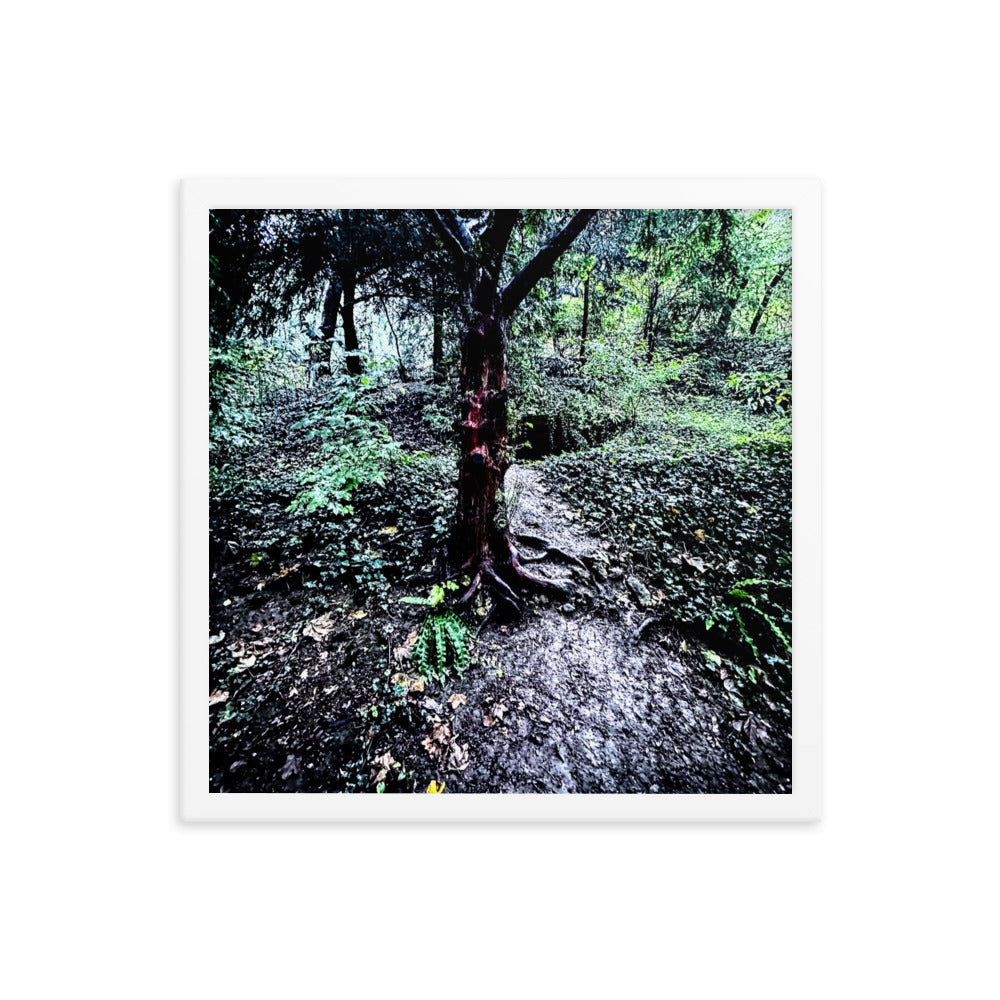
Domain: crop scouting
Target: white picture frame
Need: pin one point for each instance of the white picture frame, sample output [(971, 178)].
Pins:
[(199, 196)]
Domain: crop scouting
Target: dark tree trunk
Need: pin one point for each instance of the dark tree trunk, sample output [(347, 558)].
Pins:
[(649, 327), (726, 316), (772, 284), (481, 546), (586, 312), (437, 347), (484, 445), (328, 328), (350, 330)]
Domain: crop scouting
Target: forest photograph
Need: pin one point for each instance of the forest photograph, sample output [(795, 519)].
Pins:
[(500, 501)]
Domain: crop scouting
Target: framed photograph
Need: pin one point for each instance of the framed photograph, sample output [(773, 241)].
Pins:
[(500, 513)]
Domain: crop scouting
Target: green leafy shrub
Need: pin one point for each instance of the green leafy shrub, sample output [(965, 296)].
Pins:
[(762, 392), (355, 448)]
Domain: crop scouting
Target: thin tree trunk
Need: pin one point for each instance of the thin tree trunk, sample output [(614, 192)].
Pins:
[(650, 324), (772, 284), (726, 316), (350, 330), (437, 347), (328, 328), (403, 376), (586, 312)]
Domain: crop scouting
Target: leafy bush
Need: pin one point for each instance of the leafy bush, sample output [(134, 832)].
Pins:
[(762, 392), (355, 448)]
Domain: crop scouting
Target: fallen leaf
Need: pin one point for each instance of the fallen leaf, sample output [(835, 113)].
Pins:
[(403, 652), (217, 697), (213, 639), (699, 564), (319, 628), (417, 685), (304, 674), (458, 756), (381, 766), (291, 766), (457, 699), (389, 530), (434, 788), (226, 603), (359, 614), (700, 535)]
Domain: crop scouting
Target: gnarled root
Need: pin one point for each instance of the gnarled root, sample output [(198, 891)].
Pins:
[(550, 550)]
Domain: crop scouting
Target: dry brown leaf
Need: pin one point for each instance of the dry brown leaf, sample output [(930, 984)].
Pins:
[(458, 756), (700, 535), (381, 766), (319, 628), (457, 699), (217, 697), (418, 684), (401, 653)]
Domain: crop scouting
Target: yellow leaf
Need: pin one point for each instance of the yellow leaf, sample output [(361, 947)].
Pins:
[(359, 614), (700, 535), (389, 530), (434, 788)]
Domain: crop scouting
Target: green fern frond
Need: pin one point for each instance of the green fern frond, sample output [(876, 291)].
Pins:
[(442, 645)]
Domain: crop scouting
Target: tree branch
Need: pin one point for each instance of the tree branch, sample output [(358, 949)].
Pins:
[(496, 237), (453, 234), (518, 287)]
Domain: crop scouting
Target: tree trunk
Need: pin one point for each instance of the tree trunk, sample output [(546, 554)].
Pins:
[(726, 316), (649, 327), (437, 347), (350, 330), (328, 327), (586, 311), (482, 547), (767, 298), (484, 442)]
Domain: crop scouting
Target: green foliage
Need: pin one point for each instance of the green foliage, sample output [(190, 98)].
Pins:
[(442, 644), (436, 596), (762, 392), (355, 448)]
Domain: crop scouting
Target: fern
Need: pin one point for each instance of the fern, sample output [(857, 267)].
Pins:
[(442, 645)]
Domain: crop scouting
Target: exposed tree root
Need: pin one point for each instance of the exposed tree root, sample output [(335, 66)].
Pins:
[(550, 550), (506, 577)]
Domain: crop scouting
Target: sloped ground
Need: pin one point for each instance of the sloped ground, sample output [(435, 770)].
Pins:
[(588, 695)]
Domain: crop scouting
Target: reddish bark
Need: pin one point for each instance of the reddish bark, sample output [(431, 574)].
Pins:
[(480, 545)]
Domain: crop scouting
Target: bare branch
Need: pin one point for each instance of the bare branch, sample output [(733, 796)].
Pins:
[(539, 265)]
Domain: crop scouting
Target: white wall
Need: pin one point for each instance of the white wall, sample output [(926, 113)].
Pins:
[(106, 106)]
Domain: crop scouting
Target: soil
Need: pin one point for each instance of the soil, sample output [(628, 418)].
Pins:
[(594, 694)]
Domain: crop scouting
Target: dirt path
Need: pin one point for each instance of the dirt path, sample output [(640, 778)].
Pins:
[(593, 694), (572, 700)]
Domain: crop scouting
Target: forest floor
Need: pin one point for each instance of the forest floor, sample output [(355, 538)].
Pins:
[(312, 690)]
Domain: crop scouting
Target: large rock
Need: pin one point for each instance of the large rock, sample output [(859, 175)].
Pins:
[(640, 591)]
